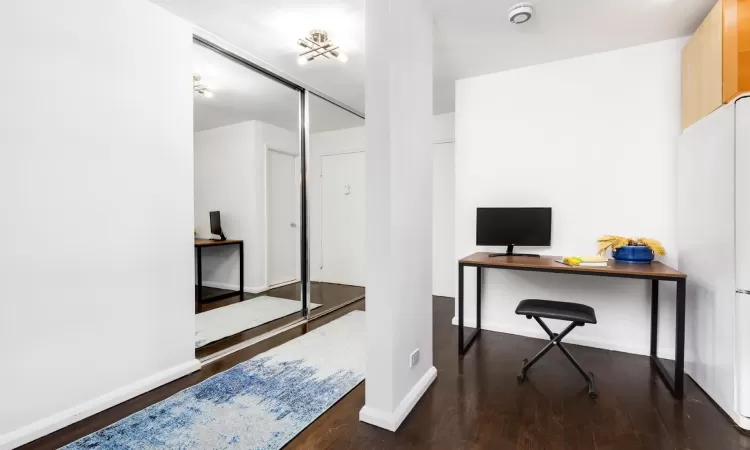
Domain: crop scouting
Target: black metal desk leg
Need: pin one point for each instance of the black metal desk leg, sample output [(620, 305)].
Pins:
[(460, 309), (242, 270), (479, 299), (679, 359), (654, 316), (464, 344), (675, 383), (199, 275)]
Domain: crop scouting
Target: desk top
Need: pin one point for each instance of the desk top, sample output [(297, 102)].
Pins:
[(212, 243), (548, 264)]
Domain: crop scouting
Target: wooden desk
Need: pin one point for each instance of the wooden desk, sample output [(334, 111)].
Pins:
[(203, 243), (214, 243), (655, 272)]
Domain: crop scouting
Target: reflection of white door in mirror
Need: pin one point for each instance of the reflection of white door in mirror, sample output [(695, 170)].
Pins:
[(282, 213), (343, 218)]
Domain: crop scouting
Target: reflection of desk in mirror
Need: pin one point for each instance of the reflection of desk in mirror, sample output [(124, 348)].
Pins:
[(203, 243)]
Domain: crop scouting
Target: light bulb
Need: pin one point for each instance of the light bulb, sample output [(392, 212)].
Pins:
[(343, 57), (302, 60), (208, 94)]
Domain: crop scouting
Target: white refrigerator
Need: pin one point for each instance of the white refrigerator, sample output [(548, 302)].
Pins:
[(713, 236)]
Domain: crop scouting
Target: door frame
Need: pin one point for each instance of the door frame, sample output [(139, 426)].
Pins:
[(297, 163)]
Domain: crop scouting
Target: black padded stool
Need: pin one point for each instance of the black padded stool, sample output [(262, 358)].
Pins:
[(576, 313)]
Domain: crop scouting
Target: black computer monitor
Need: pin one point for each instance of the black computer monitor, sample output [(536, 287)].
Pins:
[(216, 224), (514, 226)]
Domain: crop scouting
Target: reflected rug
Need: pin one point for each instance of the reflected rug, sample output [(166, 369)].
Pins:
[(216, 324), (259, 404)]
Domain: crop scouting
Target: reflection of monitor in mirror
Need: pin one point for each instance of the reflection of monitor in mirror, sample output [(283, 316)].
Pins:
[(216, 225)]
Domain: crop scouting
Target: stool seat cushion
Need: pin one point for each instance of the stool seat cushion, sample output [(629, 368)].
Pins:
[(548, 309)]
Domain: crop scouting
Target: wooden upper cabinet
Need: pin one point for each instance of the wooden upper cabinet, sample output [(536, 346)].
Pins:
[(736, 51), (716, 60), (702, 69)]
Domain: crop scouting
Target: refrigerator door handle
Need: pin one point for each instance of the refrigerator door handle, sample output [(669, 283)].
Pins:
[(742, 291)]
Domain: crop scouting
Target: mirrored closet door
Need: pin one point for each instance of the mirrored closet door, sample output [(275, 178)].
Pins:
[(337, 206), (248, 192)]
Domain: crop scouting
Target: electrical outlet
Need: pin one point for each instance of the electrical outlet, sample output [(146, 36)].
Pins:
[(414, 358)]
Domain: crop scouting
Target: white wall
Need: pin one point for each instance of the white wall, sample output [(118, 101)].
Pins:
[(352, 140), (225, 181), (97, 267), (594, 138), (230, 176), (444, 128), (444, 219)]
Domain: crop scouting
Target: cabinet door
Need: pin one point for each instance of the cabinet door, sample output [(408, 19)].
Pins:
[(702, 69), (736, 48)]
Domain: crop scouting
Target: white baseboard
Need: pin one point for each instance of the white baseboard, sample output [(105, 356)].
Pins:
[(62, 419), (392, 420), (234, 287), (278, 285), (666, 353), (742, 422)]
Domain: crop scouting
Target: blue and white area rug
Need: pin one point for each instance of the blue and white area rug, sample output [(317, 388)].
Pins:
[(259, 404), (216, 324)]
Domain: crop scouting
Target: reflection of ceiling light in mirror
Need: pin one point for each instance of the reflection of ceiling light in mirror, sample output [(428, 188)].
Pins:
[(200, 88), (343, 57)]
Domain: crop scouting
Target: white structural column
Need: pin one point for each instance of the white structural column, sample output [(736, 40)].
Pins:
[(399, 209)]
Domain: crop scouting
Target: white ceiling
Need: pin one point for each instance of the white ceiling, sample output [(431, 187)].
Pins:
[(240, 94), (472, 37), (475, 37)]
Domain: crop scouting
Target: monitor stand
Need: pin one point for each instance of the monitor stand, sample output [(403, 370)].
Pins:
[(221, 238), (509, 252)]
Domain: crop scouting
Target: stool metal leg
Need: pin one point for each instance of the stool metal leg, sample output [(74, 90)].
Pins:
[(587, 375), (556, 340)]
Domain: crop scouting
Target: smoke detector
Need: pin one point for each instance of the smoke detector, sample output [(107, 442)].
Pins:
[(520, 13)]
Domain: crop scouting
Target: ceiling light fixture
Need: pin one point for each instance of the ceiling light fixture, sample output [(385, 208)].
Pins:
[(317, 44), (199, 88)]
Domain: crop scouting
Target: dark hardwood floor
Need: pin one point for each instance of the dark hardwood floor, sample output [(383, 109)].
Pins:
[(328, 295), (476, 402)]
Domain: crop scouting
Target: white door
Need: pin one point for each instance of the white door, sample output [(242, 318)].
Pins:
[(343, 219), (282, 212), (444, 264)]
